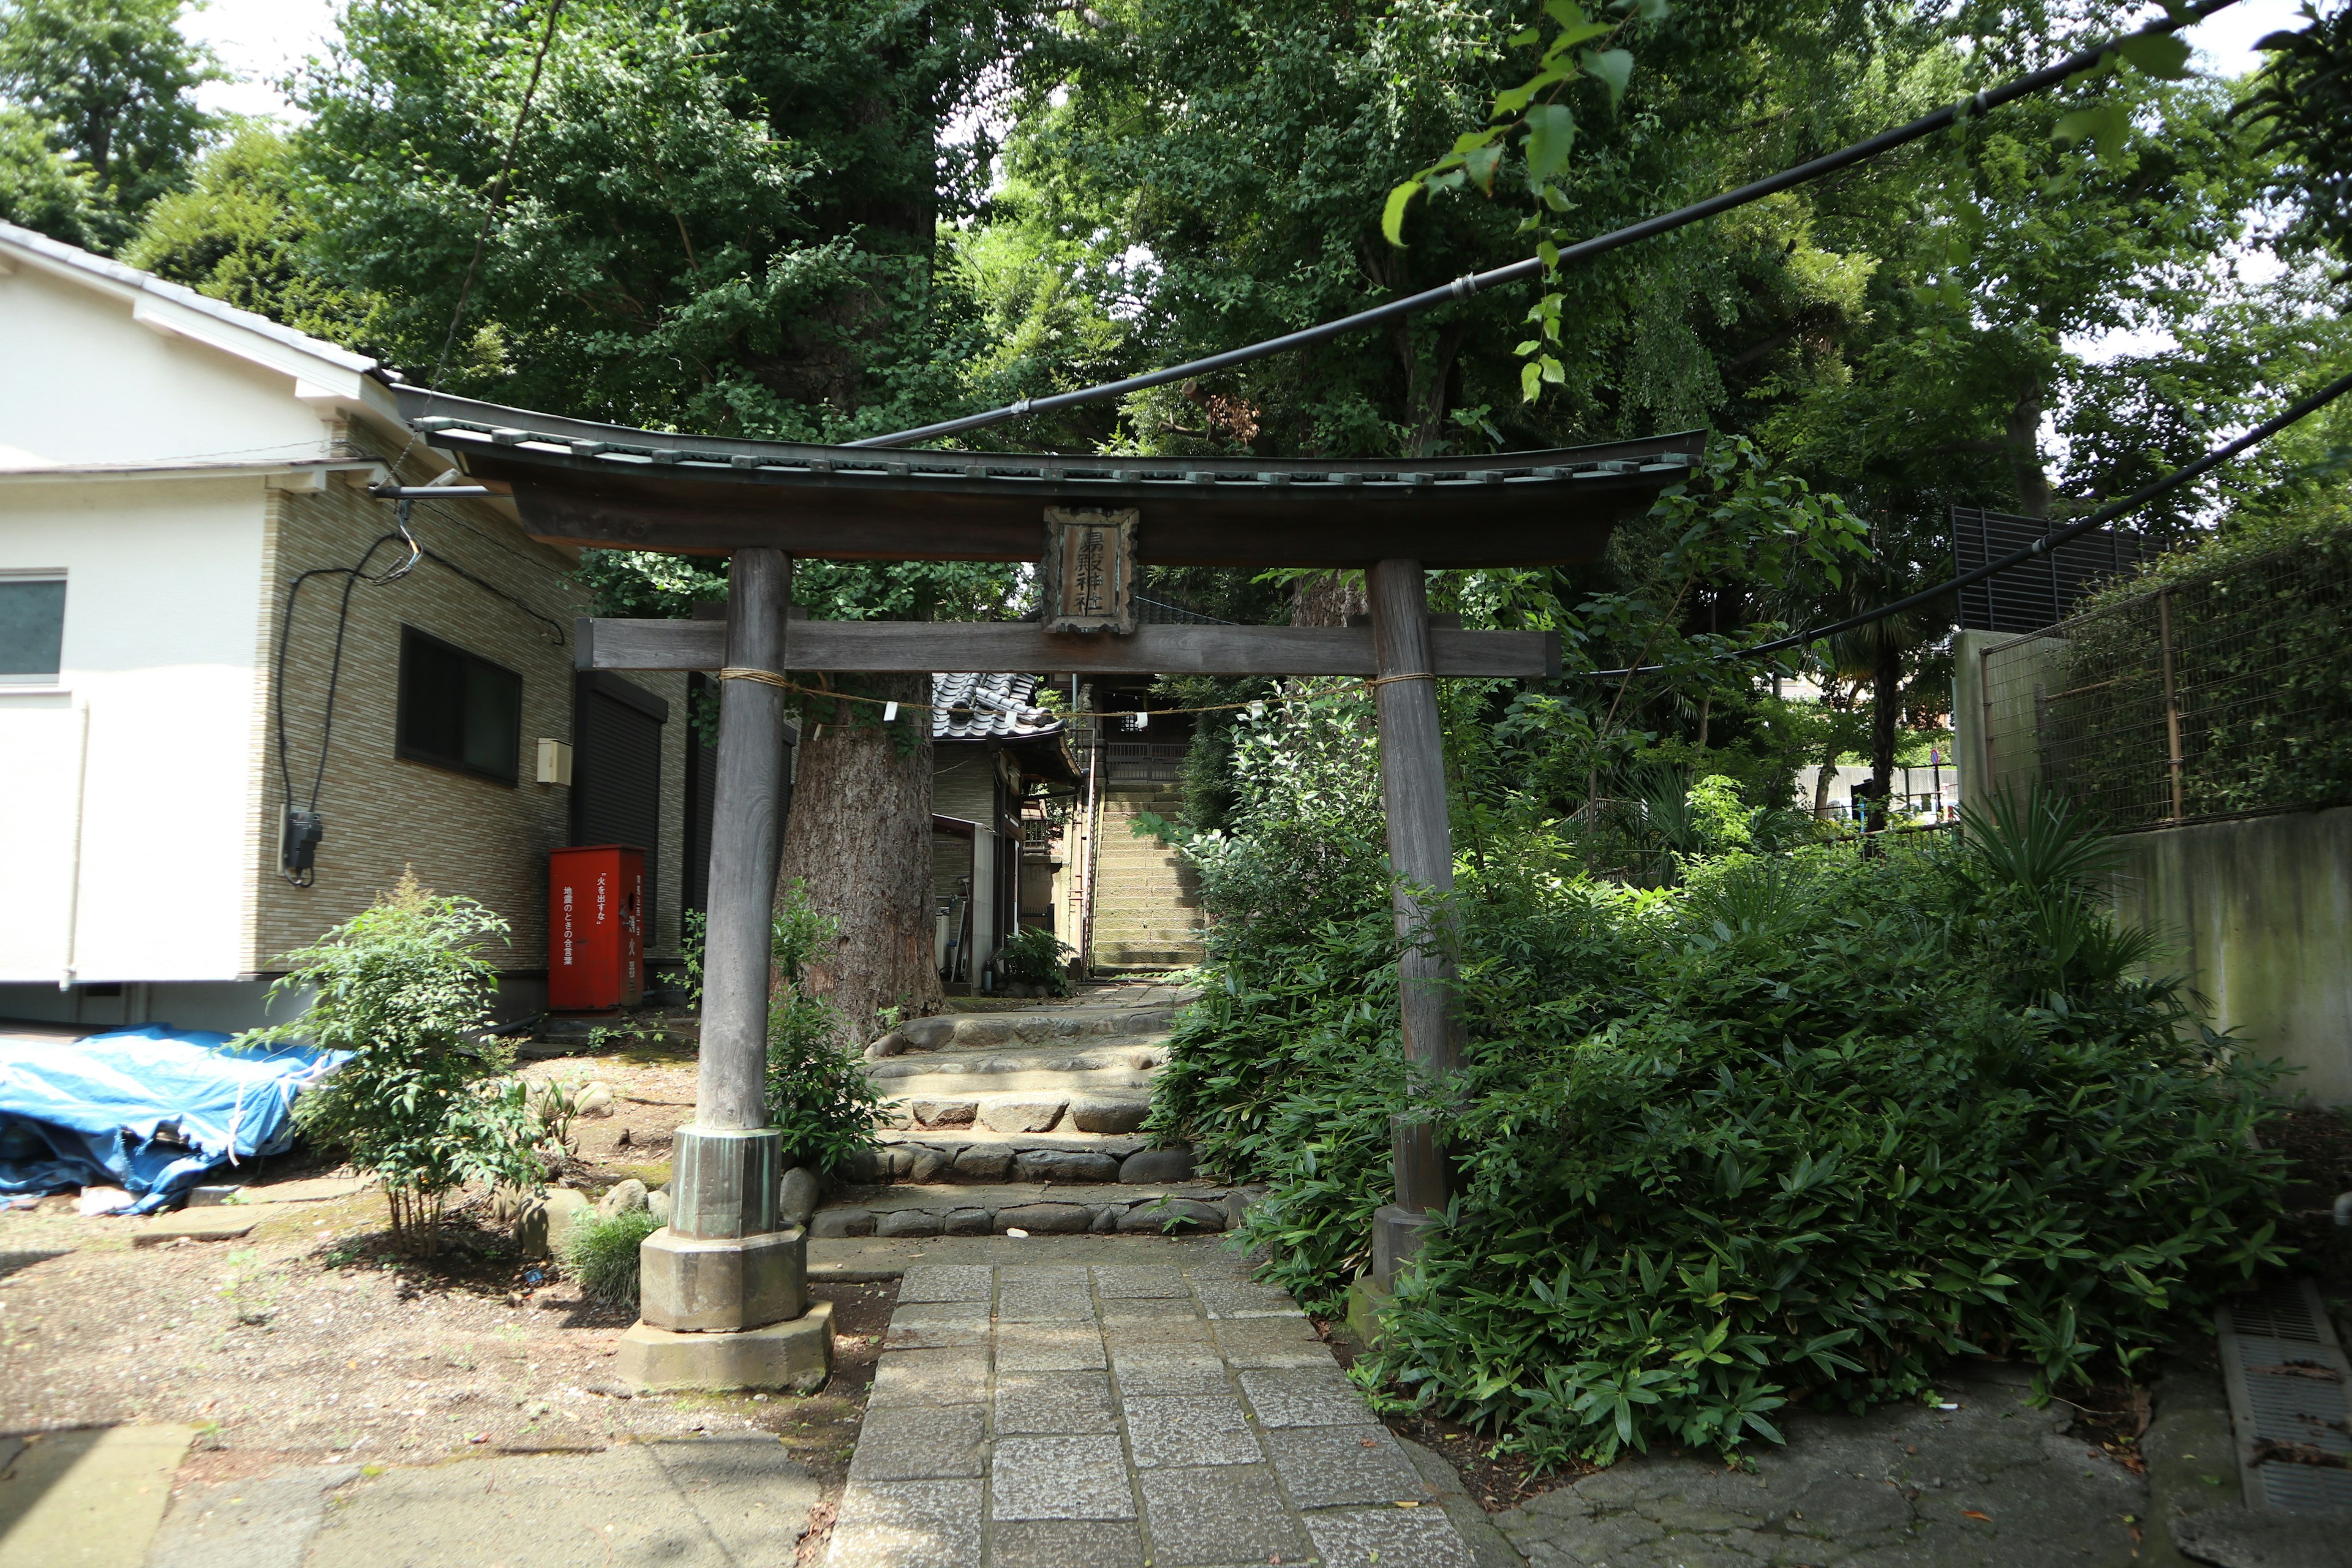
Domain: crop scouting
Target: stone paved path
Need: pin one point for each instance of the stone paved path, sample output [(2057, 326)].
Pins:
[(1067, 1416)]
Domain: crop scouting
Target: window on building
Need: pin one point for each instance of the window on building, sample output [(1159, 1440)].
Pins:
[(32, 626), (457, 710)]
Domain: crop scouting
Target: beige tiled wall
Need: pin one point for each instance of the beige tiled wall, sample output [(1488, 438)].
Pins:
[(459, 834)]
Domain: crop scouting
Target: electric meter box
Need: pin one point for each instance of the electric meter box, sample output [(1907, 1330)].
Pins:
[(595, 928)]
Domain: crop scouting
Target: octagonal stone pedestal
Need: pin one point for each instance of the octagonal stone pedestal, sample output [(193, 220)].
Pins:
[(721, 1284), (796, 1356)]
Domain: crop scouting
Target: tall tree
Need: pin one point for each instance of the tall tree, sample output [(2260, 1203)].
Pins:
[(720, 216), (113, 83)]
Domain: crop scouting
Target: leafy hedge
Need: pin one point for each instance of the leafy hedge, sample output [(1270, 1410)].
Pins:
[(1806, 1127)]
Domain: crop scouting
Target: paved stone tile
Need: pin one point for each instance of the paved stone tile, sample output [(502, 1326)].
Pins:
[(945, 1282), (1303, 1396), (930, 1377), (1141, 1281), (1044, 1295), (1058, 1478), (1143, 1334), (921, 1442), (1389, 1537), (1053, 1403), (1243, 1299), (1228, 1514), (1151, 1373), (1024, 1417), (938, 1326), (1066, 1543), (1201, 1429), (1147, 1310), (907, 1524), (1049, 1347), (1262, 1343), (1329, 1466)]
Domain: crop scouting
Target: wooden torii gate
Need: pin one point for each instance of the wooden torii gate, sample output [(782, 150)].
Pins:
[(723, 1290)]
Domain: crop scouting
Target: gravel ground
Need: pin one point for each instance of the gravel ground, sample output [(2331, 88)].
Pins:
[(307, 1342)]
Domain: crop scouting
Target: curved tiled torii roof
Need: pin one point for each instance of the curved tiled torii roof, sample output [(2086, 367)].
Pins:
[(577, 482), (972, 706)]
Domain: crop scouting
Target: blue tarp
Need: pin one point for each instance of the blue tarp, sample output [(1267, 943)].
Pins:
[(150, 1109)]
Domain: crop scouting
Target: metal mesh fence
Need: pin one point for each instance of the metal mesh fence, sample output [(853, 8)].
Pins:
[(2222, 694)]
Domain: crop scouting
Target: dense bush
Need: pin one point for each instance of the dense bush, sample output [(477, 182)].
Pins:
[(1034, 956), (818, 1092), (425, 1102), (602, 1252), (1805, 1127)]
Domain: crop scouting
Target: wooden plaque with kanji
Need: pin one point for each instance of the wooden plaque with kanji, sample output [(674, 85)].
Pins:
[(1089, 570)]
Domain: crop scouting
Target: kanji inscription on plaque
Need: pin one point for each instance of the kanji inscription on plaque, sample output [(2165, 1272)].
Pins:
[(1089, 571)]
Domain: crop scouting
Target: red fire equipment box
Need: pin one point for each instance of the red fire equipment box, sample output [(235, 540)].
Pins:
[(595, 928)]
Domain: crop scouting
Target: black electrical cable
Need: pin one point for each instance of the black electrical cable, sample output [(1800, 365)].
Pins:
[(2049, 541), (1463, 287), (354, 575)]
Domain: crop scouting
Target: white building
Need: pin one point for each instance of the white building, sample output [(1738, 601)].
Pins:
[(169, 468)]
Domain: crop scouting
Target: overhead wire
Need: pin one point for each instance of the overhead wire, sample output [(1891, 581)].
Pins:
[(1473, 283)]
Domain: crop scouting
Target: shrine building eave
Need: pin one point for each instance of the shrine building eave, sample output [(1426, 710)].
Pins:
[(580, 483)]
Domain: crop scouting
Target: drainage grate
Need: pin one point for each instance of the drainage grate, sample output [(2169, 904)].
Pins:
[(2289, 1385)]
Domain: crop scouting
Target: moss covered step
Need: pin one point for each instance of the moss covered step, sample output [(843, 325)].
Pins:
[(935, 1159)]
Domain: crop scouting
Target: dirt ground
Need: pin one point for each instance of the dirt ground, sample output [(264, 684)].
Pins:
[(309, 1341)]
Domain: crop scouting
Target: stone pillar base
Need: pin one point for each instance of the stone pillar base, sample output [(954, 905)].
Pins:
[(1396, 1236), (796, 1356), (695, 1285)]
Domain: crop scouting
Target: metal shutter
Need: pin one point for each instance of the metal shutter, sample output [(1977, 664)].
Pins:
[(616, 733)]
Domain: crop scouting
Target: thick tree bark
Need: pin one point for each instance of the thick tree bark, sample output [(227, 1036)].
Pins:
[(859, 840), (1327, 599), (1885, 707), (2024, 445)]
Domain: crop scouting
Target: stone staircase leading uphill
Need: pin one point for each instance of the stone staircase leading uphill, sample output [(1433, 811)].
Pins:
[(1147, 899), (1026, 1118)]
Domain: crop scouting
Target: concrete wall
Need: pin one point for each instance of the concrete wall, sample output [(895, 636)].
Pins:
[(124, 834), (2259, 912), (100, 374)]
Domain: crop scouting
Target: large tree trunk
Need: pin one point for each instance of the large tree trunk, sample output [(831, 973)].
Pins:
[(1327, 599), (2023, 440), (1885, 708), (859, 840)]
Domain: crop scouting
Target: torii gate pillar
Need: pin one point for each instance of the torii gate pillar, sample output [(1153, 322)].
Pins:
[(1420, 854), (724, 1287)]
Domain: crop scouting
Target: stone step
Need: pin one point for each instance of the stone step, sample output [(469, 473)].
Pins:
[(1134, 1053), (1030, 1025), (1039, 1208), (979, 1092), (866, 1260), (960, 1155)]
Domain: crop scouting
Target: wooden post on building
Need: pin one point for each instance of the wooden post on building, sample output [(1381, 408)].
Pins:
[(1421, 853), (724, 1286)]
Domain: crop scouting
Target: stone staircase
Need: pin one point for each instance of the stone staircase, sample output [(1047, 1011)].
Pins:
[(1026, 1118), (1147, 901)]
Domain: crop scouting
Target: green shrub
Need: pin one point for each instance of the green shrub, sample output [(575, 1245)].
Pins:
[(603, 1255), (1035, 956), (817, 1088), (1806, 1127), (426, 1103)]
